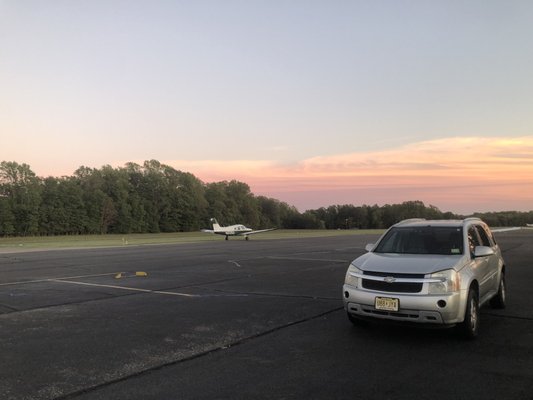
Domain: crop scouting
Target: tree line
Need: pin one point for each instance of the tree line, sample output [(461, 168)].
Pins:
[(147, 198), (155, 197)]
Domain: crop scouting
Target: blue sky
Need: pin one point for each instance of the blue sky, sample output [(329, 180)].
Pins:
[(208, 84)]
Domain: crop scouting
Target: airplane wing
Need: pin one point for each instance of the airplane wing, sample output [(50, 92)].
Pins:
[(207, 231), (259, 231)]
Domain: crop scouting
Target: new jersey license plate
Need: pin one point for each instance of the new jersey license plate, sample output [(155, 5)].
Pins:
[(387, 304)]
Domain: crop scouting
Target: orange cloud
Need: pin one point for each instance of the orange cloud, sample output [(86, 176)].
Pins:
[(467, 172)]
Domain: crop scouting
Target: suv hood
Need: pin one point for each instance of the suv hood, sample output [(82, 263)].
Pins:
[(408, 263)]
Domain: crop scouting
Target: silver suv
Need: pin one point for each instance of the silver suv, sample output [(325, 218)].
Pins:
[(428, 272)]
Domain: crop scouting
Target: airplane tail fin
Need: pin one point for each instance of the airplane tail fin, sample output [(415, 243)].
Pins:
[(216, 226)]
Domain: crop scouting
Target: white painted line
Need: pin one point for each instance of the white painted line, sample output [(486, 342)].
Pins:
[(177, 294), (124, 288), (99, 285), (52, 279), (305, 259)]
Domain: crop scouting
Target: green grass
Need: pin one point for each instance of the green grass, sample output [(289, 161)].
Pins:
[(88, 241)]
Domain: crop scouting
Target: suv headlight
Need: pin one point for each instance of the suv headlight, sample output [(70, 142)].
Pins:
[(350, 279), (449, 282)]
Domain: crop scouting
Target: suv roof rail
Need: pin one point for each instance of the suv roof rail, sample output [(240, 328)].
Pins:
[(471, 219), (410, 220)]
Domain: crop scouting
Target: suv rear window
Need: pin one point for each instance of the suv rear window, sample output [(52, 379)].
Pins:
[(422, 240)]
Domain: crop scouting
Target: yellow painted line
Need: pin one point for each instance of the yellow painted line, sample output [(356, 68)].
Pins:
[(124, 288)]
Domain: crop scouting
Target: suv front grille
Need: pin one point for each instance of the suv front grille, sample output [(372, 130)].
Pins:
[(393, 287)]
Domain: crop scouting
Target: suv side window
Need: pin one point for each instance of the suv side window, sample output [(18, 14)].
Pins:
[(485, 241), (473, 239)]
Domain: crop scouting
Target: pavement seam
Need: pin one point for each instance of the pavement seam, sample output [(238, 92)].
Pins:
[(511, 248), (239, 342), (510, 316), (260, 294), (12, 309)]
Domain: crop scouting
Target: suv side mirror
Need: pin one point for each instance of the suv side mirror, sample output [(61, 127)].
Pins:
[(483, 251), (369, 246)]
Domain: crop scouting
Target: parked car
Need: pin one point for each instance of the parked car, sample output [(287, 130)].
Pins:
[(437, 272)]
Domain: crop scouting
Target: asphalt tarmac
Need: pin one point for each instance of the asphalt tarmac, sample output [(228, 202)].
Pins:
[(258, 319)]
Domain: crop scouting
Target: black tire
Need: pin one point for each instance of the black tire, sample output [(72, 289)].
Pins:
[(469, 328), (499, 300)]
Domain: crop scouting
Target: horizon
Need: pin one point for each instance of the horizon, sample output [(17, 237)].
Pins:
[(311, 103), (300, 209)]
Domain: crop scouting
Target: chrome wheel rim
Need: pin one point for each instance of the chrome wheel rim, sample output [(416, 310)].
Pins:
[(473, 314)]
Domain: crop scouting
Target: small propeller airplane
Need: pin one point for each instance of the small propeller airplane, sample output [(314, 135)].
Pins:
[(233, 230)]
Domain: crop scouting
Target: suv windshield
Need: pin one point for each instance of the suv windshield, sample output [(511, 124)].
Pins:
[(422, 240)]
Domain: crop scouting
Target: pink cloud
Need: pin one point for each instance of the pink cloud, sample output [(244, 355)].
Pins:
[(462, 174)]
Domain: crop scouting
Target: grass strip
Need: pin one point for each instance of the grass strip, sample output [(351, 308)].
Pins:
[(116, 240)]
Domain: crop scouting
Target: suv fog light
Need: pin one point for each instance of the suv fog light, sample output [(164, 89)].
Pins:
[(441, 303), (346, 294)]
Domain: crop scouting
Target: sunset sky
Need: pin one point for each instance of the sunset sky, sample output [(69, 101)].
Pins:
[(311, 102)]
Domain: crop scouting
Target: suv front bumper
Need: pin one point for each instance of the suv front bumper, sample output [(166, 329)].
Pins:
[(444, 309)]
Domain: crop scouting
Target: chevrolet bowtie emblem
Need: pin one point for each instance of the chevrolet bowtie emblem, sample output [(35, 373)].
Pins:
[(389, 279)]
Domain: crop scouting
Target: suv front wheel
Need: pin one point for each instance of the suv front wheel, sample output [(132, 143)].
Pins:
[(470, 326)]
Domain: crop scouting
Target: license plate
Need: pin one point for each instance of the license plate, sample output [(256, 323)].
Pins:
[(387, 304)]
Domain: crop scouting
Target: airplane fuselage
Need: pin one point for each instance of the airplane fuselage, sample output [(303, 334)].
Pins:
[(233, 230)]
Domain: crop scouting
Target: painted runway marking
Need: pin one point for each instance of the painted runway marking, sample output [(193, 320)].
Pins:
[(124, 288), (306, 259), (52, 279), (72, 282)]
